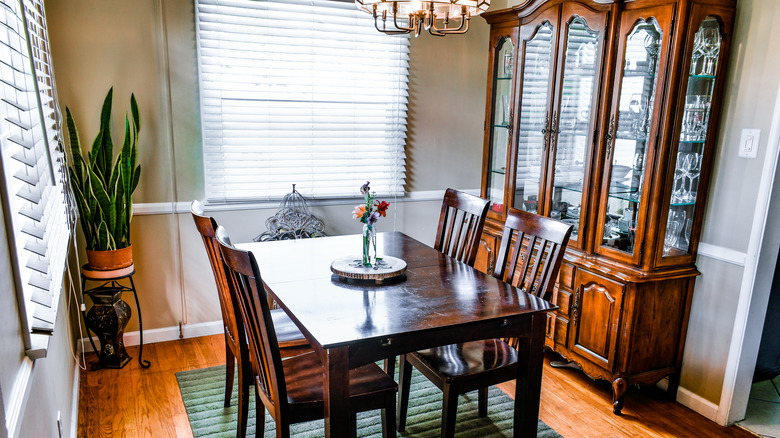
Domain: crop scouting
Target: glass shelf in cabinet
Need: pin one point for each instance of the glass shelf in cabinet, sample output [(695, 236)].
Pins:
[(573, 133), (693, 141), (702, 76), (627, 136), (508, 78), (501, 171), (503, 125), (638, 74), (631, 197), (683, 204), (570, 187)]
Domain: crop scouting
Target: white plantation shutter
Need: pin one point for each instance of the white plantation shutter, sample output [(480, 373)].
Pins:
[(299, 92), (34, 202)]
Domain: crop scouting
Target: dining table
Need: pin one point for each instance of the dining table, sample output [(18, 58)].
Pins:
[(436, 301)]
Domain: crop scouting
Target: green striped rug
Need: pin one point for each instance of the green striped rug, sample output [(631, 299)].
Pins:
[(203, 393)]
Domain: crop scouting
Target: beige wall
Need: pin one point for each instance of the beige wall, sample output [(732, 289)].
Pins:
[(97, 44), (753, 79), (148, 47)]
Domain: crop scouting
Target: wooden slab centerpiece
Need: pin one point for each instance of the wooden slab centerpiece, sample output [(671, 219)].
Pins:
[(352, 267)]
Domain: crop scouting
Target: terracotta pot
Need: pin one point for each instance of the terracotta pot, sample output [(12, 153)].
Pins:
[(110, 260)]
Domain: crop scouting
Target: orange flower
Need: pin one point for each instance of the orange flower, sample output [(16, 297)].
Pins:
[(358, 212), (381, 207)]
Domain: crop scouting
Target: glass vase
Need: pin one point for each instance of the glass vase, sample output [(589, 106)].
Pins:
[(369, 245)]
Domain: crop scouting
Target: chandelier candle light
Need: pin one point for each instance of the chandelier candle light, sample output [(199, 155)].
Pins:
[(408, 16), (369, 214)]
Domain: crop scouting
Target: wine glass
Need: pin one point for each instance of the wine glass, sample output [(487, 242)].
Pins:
[(687, 164), (693, 175), (678, 193), (673, 226), (635, 106), (686, 235), (711, 49), (698, 44)]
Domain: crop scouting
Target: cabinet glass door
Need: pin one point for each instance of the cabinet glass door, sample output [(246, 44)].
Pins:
[(627, 141), (581, 66), (693, 136), (534, 117), (501, 123)]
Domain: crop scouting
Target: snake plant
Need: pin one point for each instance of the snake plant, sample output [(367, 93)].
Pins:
[(103, 186)]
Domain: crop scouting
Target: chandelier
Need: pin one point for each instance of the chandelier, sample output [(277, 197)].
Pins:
[(407, 16)]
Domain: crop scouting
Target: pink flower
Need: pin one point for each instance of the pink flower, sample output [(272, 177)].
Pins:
[(358, 212)]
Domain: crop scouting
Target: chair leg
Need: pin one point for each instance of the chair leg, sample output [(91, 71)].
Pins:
[(390, 366), (388, 417), (244, 386), (353, 424), (404, 385), (482, 402), (230, 365), (448, 410), (259, 417)]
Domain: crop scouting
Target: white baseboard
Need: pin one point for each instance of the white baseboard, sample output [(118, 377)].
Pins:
[(693, 401), (18, 398), (74, 404), (162, 334), (697, 403)]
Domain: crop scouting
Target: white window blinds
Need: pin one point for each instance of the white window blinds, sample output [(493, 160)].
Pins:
[(32, 163), (299, 92)]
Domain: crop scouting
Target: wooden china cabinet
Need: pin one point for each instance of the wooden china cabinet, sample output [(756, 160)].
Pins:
[(604, 114)]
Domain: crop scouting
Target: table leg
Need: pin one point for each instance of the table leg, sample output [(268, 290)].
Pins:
[(529, 378), (336, 385)]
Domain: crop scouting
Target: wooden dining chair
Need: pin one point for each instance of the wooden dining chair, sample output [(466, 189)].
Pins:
[(529, 258), (290, 338), (292, 390), (460, 225)]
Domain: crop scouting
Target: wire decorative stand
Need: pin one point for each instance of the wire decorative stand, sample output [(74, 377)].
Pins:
[(292, 221)]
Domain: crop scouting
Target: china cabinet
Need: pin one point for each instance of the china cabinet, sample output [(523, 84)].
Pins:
[(604, 114)]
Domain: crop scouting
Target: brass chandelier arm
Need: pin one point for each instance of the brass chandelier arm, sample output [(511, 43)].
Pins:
[(417, 21), (463, 28), (399, 30)]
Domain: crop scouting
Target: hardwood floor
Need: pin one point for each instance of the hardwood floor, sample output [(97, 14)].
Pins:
[(136, 402)]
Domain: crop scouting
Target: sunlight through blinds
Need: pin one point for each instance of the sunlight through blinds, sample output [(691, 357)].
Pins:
[(299, 92)]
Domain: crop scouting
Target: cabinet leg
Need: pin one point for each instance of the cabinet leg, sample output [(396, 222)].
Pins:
[(674, 383), (619, 387)]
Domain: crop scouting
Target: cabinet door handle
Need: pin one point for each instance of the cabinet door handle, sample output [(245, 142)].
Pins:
[(610, 135), (545, 130), (555, 129), (575, 307)]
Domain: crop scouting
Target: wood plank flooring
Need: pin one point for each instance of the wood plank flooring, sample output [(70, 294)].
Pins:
[(136, 402)]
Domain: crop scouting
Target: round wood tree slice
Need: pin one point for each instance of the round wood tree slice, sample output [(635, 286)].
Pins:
[(352, 267)]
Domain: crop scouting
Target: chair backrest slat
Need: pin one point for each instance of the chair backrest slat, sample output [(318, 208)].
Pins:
[(533, 260), (460, 225), (207, 227), (244, 277)]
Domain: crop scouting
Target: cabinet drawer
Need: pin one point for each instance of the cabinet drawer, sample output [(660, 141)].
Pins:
[(563, 299), (566, 275)]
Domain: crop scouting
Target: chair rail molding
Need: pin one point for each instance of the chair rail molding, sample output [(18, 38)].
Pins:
[(153, 208)]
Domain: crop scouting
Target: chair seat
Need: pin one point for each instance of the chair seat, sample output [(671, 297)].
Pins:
[(468, 358), (303, 375), (287, 333)]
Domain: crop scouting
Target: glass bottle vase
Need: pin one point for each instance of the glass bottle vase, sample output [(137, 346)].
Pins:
[(369, 245)]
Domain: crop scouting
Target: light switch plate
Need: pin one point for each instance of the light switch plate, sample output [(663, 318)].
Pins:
[(748, 143)]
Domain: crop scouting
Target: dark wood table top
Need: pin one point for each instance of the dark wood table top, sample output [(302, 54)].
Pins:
[(436, 292)]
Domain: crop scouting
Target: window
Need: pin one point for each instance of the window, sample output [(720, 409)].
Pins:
[(299, 92), (32, 170)]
